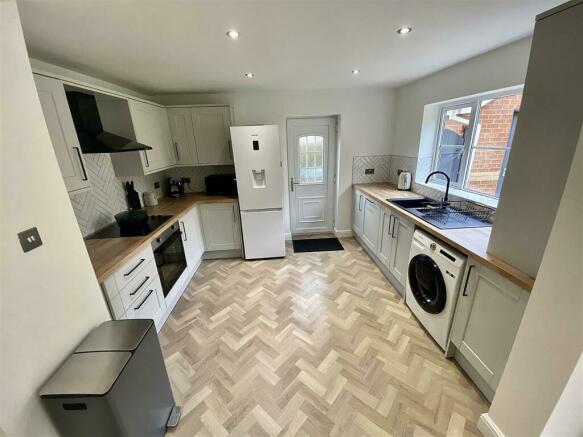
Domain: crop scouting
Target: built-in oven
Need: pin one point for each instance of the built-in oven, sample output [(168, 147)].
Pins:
[(169, 256)]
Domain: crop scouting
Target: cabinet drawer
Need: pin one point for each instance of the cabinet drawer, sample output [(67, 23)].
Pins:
[(148, 304), (133, 268), (138, 284)]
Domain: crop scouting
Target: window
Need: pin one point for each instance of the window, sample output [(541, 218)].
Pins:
[(474, 141), (311, 159)]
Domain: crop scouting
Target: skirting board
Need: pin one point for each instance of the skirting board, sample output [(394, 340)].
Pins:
[(343, 233), (216, 254), (487, 427), (392, 280)]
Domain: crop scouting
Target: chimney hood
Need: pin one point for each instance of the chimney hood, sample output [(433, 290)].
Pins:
[(92, 137)]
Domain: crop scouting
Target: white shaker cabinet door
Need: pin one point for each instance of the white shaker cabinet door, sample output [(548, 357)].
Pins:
[(62, 132), (358, 212), (152, 128), (212, 134), (192, 238), (221, 226), (371, 224), (402, 235), (182, 136), (486, 321)]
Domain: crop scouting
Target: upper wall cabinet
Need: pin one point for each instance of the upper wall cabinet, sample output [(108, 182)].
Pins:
[(201, 135), (62, 133), (183, 136), (151, 127)]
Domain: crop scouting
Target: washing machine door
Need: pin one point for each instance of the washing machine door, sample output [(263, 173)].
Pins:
[(427, 284)]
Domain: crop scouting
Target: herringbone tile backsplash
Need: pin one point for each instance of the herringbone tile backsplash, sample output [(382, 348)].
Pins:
[(380, 164), (106, 197)]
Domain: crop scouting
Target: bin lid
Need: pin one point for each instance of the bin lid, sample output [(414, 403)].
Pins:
[(116, 335), (87, 374)]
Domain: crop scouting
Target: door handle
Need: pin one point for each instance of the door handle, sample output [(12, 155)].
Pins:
[(176, 149), (81, 162), (184, 231), (291, 183), (465, 293), (143, 301)]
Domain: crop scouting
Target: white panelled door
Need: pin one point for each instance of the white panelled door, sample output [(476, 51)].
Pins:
[(311, 156)]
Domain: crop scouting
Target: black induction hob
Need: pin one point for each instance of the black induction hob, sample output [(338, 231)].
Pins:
[(115, 231)]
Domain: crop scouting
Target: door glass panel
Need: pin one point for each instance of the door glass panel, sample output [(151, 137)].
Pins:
[(311, 159)]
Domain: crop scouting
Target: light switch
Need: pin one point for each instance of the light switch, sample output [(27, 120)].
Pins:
[(30, 239)]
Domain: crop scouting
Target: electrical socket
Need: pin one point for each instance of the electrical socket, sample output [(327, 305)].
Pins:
[(369, 171)]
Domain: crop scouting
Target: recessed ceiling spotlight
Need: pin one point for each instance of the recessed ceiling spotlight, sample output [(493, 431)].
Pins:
[(404, 30), (249, 75), (355, 71), (233, 34)]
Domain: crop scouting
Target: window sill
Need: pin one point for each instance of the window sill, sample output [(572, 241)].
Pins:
[(474, 197)]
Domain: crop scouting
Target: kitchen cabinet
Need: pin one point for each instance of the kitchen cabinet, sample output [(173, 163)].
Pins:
[(370, 224), (358, 212), (151, 127), (211, 125), (182, 130), (192, 238), (395, 243), (486, 320), (134, 291), (62, 132), (221, 228), (401, 236)]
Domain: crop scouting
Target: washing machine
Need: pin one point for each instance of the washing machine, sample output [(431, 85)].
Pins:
[(434, 276)]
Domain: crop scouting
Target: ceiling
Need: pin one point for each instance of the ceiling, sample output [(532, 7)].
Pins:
[(160, 47)]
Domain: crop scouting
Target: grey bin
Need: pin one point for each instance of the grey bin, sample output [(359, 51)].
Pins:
[(114, 384)]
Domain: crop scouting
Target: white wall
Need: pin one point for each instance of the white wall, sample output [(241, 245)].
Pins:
[(49, 297), (549, 341), (365, 124), (499, 68)]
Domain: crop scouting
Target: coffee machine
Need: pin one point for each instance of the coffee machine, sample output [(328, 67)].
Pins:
[(175, 188)]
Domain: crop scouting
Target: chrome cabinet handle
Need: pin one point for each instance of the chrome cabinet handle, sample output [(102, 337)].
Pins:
[(147, 160), (390, 220), (140, 286), (184, 231), (465, 293), (176, 149), (135, 267), (81, 162), (394, 225), (143, 301)]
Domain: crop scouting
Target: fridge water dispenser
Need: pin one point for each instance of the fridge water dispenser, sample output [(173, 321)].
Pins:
[(258, 178)]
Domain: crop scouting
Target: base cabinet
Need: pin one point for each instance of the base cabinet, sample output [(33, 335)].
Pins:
[(192, 238), (486, 320), (395, 243), (221, 227), (370, 224), (358, 212)]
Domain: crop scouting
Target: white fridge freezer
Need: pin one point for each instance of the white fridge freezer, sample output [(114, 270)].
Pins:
[(257, 155)]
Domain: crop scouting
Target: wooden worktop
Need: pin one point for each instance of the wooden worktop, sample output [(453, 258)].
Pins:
[(470, 241), (108, 254)]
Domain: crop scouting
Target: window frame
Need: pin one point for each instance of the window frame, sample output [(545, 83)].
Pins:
[(469, 143)]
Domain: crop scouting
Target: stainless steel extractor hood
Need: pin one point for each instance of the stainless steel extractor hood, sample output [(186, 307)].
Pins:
[(92, 137)]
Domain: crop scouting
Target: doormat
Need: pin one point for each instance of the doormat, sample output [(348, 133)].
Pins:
[(317, 245)]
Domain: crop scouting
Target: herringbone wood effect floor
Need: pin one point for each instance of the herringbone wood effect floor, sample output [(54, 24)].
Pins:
[(314, 344)]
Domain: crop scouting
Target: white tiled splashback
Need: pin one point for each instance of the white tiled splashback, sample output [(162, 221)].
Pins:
[(380, 164), (106, 197), (386, 169)]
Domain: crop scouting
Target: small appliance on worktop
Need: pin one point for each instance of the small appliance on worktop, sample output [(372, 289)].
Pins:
[(220, 185)]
